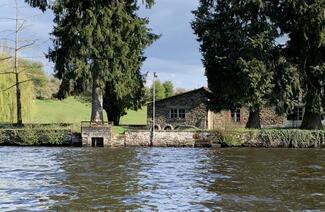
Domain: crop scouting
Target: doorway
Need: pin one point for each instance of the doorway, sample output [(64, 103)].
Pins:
[(97, 142)]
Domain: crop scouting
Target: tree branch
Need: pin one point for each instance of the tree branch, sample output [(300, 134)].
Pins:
[(8, 72), (27, 45), (6, 58), (21, 26), (16, 84)]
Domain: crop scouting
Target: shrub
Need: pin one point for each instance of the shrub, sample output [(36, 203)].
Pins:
[(40, 136), (27, 136), (291, 138), (272, 138)]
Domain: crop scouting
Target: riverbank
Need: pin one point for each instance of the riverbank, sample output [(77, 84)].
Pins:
[(62, 135), (37, 135), (265, 138)]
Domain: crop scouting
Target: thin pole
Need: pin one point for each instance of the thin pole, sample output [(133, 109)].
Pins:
[(153, 109)]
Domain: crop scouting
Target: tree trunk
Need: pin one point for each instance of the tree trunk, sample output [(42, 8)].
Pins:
[(18, 96), (311, 121), (254, 120), (97, 101), (113, 116), (312, 118)]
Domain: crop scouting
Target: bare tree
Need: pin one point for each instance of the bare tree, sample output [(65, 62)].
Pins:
[(19, 46)]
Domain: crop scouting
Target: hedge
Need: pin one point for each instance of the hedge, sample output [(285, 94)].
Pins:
[(272, 138), (35, 137)]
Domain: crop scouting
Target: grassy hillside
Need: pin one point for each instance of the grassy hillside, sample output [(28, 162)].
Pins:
[(71, 110), (66, 111)]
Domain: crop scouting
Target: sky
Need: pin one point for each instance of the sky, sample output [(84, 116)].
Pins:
[(175, 56)]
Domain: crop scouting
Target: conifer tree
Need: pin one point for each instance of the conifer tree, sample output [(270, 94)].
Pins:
[(240, 54), (126, 90), (89, 50), (304, 24)]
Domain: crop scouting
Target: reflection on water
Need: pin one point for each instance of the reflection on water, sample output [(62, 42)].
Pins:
[(161, 179)]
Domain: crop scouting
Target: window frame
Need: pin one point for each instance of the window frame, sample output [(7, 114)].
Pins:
[(177, 113), (236, 116), (181, 115), (173, 113), (297, 114)]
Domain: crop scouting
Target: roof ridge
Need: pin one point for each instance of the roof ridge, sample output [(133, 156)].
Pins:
[(180, 94)]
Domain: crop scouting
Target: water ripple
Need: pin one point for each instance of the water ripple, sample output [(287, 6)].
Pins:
[(161, 179)]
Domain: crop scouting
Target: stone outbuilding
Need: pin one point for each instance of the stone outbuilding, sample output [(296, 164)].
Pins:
[(96, 135), (191, 109)]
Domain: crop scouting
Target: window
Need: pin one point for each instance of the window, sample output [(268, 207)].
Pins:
[(177, 113), (181, 113), (235, 115), (173, 113), (297, 114)]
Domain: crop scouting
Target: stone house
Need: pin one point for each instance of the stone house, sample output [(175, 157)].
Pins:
[(191, 109)]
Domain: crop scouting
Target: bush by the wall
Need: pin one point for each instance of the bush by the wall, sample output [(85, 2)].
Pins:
[(291, 138), (35, 137), (272, 138)]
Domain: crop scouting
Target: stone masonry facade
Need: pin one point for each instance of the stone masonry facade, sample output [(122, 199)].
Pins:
[(195, 105)]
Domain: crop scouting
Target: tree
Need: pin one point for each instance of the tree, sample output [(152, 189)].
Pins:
[(147, 95), (304, 24), (169, 88), (239, 54), (126, 91), (40, 80), (8, 98), (89, 50), (42, 4), (19, 46), (159, 90)]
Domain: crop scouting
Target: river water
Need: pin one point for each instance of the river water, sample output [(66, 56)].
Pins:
[(161, 179)]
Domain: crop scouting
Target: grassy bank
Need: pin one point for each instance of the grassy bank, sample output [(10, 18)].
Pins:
[(73, 110)]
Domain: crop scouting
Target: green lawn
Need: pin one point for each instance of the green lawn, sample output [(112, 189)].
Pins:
[(69, 110), (74, 111), (135, 117)]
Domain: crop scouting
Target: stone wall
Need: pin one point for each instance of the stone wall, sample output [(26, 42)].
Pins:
[(220, 120), (167, 138), (269, 118), (269, 138), (193, 102)]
